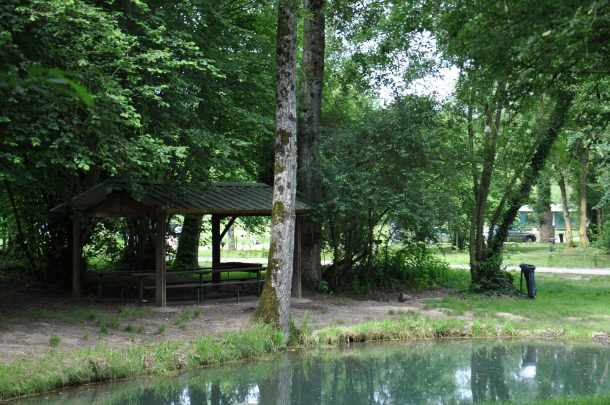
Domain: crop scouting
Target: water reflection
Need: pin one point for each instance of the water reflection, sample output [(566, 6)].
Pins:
[(433, 373), (487, 375)]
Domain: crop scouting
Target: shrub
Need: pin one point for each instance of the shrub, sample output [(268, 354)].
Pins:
[(414, 266)]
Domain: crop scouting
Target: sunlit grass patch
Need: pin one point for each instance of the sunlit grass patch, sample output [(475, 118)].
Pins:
[(559, 297)]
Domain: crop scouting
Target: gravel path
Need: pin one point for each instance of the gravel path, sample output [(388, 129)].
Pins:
[(561, 270)]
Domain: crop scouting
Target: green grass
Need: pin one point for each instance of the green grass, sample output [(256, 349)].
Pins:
[(106, 322), (245, 254), (54, 340), (558, 297), (539, 255), (132, 313), (78, 316), (102, 363)]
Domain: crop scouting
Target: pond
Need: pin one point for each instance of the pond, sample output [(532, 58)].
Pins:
[(448, 372)]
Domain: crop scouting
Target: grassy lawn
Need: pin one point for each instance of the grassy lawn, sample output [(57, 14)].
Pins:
[(246, 254), (539, 255), (576, 305)]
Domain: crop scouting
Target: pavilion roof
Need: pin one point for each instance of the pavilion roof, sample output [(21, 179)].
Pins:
[(122, 199)]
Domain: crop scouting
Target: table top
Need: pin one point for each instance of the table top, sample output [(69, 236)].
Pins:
[(195, 271)]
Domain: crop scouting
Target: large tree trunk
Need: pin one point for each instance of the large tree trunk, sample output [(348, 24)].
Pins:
[(308, 133), (583, 163), (274, 306), (564, 208), (187, 253), (543, 209), (482, 181), (231, 238), (546, 225)]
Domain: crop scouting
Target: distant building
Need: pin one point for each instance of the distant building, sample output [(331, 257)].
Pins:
[(528, 220)]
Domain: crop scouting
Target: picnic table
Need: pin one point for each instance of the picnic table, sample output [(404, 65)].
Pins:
[(201, 283)]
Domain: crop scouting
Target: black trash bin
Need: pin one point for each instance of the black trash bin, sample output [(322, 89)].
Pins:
[(528, 270)]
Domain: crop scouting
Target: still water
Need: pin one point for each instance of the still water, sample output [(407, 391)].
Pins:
[(453, 372)]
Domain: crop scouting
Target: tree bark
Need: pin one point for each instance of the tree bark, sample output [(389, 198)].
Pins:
[(231, 238), (564, 208), (187, 253), (312, 67), (482, 180), (543, 209), (583, 163), (274, 306), (546, 225)]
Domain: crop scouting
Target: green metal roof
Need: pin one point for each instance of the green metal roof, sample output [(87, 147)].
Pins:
[(219, 198)]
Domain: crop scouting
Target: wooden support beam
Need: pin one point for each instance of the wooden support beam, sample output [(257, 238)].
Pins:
[(296, 267), (227, 227), (160, 274), (76, 259), (216, 238)]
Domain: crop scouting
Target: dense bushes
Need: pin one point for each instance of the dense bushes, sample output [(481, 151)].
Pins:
[(412, 266)]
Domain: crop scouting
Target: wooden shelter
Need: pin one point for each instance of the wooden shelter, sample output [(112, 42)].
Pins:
[(157, 200)]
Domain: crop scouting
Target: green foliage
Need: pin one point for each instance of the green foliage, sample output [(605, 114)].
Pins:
[(491, 279), (377, 172), (603, 240), (54, 340), (412, 266), (91, 91)]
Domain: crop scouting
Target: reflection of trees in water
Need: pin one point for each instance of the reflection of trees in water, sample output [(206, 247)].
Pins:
[(378, 375), (277, 387), (487, 378), (568, 371), (394, 378), (307, 380)]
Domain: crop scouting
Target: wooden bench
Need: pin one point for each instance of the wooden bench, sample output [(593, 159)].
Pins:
[(238, 283), (201, 286), (140, 276)]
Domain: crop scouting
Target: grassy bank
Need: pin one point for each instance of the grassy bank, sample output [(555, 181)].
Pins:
[(58, 369), (564, 308)]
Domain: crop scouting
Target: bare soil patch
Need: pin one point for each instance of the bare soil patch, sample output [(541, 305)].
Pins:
[(29, 319), (512, 317)]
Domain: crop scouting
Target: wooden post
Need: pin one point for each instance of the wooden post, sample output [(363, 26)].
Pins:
[(216, 238), (76, 258), (160, 276), (296, 269)]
